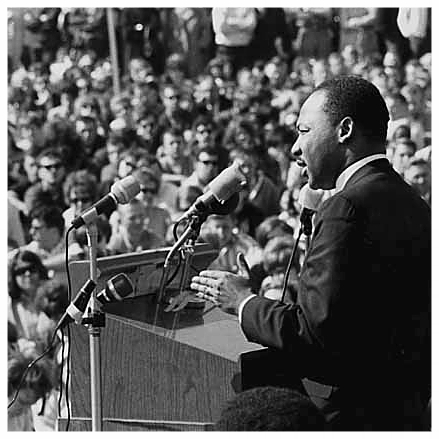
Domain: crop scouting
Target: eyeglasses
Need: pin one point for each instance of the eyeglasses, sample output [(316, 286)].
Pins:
[(130, 164), (209, 162), (23, 270), (78, 200), (52, 167)]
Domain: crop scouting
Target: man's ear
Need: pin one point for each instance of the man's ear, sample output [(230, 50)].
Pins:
[(346, 128)]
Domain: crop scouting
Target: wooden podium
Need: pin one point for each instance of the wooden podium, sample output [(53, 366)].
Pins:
[(161, 371)]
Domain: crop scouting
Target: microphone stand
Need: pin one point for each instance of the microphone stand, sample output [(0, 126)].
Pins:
[(95, 320), (190, 234)]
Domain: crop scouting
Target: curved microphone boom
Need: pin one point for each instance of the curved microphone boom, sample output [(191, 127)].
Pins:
[(116, 289), (310, 200), (222, 195), (121, 192)]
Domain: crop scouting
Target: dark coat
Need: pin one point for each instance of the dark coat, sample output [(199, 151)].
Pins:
[(360, 332)]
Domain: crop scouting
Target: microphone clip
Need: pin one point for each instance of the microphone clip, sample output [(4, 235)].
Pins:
[(96, 320), (306, 221)]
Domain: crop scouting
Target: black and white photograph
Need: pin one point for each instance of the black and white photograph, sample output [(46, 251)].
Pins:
[(219, 219)]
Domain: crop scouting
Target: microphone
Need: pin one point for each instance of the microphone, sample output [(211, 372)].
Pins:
[(116, 289), (310, 200), (222, 195), (121, 192)]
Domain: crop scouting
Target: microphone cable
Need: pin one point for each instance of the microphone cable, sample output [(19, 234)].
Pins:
[(29, 367), (290, 264)]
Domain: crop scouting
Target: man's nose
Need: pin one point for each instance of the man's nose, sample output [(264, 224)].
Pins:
[(295, 150)]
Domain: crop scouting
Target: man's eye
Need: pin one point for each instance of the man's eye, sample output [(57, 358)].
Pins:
[(302, 130)]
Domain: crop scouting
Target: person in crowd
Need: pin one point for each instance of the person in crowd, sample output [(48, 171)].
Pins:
[(275, 258), (80, 192), (51, 173), (103, 237), (270, 409), (26, 272), (47, 233), (159, 218), (219, 230), (173, 155), (234, 30), (133, 234), (314, 34), (261, 191), (373, 219), (37, 384), (206, 168), (418, 175), (404, 150)]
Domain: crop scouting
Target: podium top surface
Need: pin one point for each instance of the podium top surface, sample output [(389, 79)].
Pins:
[(208, 329)]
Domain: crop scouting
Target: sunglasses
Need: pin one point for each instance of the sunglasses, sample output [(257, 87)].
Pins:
[(22, 270), (54, 166), (209, 162)]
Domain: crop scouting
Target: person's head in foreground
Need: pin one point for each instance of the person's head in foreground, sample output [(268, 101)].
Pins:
[(270, 409)]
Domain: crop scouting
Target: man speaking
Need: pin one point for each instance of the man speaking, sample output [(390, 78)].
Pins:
[(360, 331)]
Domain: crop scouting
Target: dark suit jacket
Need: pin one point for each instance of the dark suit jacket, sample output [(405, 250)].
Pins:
[(360, 331)]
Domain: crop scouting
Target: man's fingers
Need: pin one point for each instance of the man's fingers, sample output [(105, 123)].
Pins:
[(214, 274)]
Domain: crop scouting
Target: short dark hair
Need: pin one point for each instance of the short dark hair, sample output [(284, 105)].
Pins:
[(51, 152), (270, 409), (349, 95), (269, 228), (51, 215)]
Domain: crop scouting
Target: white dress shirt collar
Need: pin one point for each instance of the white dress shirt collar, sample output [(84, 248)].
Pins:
[(352, 169)]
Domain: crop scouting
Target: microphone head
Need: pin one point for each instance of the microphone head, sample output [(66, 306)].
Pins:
[(116, 289), (216, 208), (310, 198), (228, 182), (126, 189)]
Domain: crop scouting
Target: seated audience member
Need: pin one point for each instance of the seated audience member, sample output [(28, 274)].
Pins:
[(219, 231), (403, 151), (173, 154), (270, 409), (37, 384), (290, 209), (166, 196), (109, 158), (47, 232), (133, 234), (418, 175), (159, 219), (270, 228), (206, 168), (260, 198), (48, 190), (51, 300), (26, 272), (80, 192), (275, 258), (104, 234)]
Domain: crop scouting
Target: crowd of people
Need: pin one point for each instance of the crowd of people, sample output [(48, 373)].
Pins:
[(200, 88)]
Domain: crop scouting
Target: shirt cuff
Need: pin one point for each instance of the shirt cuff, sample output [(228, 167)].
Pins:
[(242, 304)]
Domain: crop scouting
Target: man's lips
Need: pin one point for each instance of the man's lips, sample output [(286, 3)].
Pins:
[(302, 164)]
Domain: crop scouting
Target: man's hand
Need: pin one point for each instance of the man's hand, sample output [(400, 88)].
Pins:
[(227, 290)]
